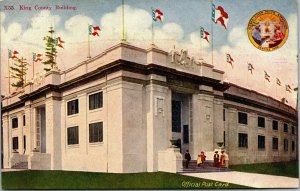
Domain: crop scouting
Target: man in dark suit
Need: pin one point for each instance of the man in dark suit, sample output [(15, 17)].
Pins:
[(187, 157)]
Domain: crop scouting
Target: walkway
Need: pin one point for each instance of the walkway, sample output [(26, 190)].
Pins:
[(249, 179)]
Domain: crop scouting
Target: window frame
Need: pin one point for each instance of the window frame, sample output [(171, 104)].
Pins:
[(273, 139), (261, 145), (240, 118), (100, 101), (13, 123), (69, 113), (285, 128), (242, 144), (275, 122), (176, 129), (73, 141), (264, 122), (285, 145), (15, 143), (100, 133), (24, 120)]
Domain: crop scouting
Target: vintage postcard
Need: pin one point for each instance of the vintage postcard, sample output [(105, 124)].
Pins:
[(149, 94)]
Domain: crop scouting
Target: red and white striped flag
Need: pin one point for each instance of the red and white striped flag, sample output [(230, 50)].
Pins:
[(250, 67), (59, 42), (288, 88), (204, 34), (278, 82), (93, 30), (267, 76)]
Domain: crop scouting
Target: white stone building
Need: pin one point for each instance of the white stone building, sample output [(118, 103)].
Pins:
[(116, 112)]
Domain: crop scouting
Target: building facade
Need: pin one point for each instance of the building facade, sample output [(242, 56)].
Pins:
[(117, 111)]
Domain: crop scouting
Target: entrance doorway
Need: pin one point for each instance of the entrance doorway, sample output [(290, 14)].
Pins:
[(41, 129)]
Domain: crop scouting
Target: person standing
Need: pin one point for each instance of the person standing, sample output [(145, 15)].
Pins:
[(199, 161), (226, 160), (187, 157), (222, 159), (216, 159), (203, 157)]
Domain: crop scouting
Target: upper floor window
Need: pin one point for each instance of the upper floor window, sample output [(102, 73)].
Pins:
[(243, 140), (73, 107), (275, 125), (224, 116), (14, 122), (24, 120), (243, 118), (285, 145), (73, 136), (261, 122), (293, 146), (15, 143), (96, 132), (285, 127), (96, 101), (261, 142), (275, 143), (293, 130)]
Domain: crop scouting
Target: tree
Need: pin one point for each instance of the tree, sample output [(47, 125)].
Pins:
[(19, 71), (50, 53)]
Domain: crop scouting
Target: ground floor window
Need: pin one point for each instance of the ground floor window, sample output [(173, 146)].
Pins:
[(96, 132), (243, 140), (293, 146), (275, 143), (261, 142), (286, 145), (15, 143), (73, 136)]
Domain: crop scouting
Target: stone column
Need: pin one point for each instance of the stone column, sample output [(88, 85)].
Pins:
[(232, 130), (53, 134), (28, 127), (218, 122), (6, 140)]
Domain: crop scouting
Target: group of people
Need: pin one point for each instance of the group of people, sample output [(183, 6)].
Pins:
[(220, 160), (201, 158)]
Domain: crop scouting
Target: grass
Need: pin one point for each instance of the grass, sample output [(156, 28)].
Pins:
[(89, 180), (289, 169)]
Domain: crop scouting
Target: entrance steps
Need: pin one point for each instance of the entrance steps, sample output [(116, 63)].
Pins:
[(20, 165), (207, 166)]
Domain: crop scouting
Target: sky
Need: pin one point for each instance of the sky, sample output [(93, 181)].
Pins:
[(23, 30)]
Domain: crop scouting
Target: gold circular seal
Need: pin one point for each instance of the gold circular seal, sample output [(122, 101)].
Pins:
[(268, 30)]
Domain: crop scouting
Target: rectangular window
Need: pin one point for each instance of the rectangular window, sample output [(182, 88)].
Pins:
[(224, 117), (293, 146), (285, 127), (73, 107), (243, 118), (176, 116), (275, 125), (293, 130), (275, 143), (185, 134), (15, 143), (261, 142), (286, 145), (224, 140), (24, 120), (73, 136), (243, 140), (24, 142), (14, 122), (96, 132), (261, 122), (96, 101)]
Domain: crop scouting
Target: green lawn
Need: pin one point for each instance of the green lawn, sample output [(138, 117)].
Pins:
[(88, 180), (289, 169)]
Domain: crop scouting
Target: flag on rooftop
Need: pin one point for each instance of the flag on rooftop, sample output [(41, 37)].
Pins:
[(219, 15), (12, 54), (267, 76), (59, 42), (278, 82), (250, 67), (288, 88), (157, 14), (229, 59), (37, 57), (204, 34), (93, 30)]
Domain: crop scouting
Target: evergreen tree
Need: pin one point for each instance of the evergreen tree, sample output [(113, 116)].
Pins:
[(50, 53), (19, 71)]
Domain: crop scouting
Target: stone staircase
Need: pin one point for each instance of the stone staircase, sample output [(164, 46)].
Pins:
[(20, 165), (207, 166)]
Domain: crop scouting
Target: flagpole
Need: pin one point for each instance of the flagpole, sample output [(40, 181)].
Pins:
[(32, 67), (8, 67), (247, 76), (89, 54), (152, 31), (212, 38), (123, 30), (201, 53)]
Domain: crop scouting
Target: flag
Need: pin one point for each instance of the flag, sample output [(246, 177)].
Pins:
[(204, 34), (278, 82), (12, 54), (59, 42), (37, 57), (93, 30), (219, 15), (157, 15), (288, 88), (229, 59), (267, 76), (283, 100), (250, 67)]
